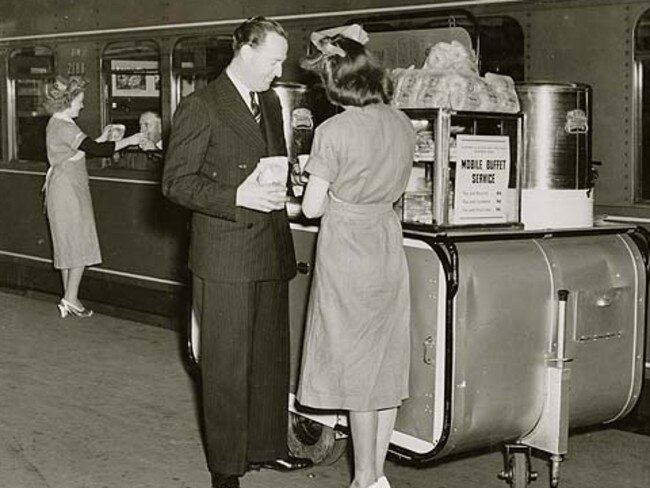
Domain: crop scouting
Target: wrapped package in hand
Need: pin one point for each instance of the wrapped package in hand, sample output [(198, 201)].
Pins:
[(273, 170), (116, 132)]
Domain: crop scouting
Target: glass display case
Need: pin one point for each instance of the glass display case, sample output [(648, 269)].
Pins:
[(466, 169)]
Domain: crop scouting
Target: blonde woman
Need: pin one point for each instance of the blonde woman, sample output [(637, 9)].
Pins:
[(67, 194)]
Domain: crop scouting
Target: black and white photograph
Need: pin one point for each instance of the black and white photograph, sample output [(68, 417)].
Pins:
[(334, 244)]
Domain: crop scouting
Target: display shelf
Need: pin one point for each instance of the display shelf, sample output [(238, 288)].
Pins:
[(466, 169)]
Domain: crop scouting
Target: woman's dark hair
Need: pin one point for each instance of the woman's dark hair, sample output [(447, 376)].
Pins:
[(253, 31), (350, 73)]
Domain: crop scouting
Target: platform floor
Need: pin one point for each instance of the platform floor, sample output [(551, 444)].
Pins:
[(106, 403)]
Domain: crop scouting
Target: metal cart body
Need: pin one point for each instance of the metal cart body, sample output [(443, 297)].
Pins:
[(497, 356)]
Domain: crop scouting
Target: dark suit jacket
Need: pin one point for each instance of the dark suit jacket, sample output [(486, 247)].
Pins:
[(215, 144)]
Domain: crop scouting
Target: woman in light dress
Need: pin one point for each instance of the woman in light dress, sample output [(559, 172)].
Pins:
[(356, 352), (67, 194)]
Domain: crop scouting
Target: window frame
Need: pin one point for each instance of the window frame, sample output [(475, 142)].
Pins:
[(175, 73), (641, 59), (105, 89), (106, 73), (12, 99)]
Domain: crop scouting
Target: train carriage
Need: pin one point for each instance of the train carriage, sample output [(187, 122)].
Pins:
[(166, 50), (148, 55)]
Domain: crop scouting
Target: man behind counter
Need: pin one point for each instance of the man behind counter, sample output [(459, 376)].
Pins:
[(241, 253), (151, 126)]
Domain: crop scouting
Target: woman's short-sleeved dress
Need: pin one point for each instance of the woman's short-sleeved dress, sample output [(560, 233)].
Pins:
[(357, 344), (67, 197)]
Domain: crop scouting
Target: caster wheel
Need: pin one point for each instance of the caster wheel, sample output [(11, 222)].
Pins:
[(312, 440)]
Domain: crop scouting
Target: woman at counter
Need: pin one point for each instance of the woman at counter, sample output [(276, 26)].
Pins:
[(357, 348), (67, 194)]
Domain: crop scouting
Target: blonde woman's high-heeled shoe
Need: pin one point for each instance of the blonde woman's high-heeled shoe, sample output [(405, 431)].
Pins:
[(63, 310), (76, 311)]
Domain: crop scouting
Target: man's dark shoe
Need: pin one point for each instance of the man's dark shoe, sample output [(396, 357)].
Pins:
[(224, 480), (288, 463)]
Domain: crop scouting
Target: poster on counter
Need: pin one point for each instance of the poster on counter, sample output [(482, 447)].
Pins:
[(481, 182)]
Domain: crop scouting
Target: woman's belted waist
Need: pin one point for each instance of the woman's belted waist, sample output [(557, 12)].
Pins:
[(360, 210)]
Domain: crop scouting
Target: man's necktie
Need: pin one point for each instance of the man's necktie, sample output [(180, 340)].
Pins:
[(255, 108)]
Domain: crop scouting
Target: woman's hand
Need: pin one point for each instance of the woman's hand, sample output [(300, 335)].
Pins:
[(106, 133), (148, 145)]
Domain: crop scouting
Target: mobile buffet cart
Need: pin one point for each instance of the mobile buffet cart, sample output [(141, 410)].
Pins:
[(517, 336)]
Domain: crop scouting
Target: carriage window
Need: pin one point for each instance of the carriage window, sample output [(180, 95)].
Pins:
[(197, 61), (131, 80), (498, 40), (642, 56), (502, 46), (30, 69)]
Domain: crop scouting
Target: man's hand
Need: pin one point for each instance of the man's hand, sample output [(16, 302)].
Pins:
[(147, 145), (264, 198)]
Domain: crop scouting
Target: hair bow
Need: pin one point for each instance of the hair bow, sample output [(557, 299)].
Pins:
[(323, 39), (60, 84), (352, 31), (324, 45)]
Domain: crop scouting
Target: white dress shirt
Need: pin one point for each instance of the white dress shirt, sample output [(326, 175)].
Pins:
[(243, 90)]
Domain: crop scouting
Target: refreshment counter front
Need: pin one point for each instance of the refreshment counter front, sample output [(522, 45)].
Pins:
[(517, 335)]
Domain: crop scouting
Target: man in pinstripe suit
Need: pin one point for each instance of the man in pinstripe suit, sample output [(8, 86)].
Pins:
[(241, 252)]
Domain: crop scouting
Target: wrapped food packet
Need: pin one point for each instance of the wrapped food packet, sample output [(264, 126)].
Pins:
[(450, 79), (433, 90), (407, 84), (273, 170), (464, 92), (500, 83), (451, 56), (116, 132), (504, 89)]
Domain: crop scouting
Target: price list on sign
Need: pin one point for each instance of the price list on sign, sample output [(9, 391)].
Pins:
[(481, 182)]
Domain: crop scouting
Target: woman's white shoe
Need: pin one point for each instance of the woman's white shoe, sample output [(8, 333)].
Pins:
[(63, 310), (382, 483), (65, 307)]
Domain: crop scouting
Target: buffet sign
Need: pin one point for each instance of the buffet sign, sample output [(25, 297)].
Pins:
[(481, 180)]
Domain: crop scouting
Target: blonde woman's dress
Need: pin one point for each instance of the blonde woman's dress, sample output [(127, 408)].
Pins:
[(67, 197), (356, 352)]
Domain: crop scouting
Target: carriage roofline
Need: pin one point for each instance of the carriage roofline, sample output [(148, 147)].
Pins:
[(314, 15)]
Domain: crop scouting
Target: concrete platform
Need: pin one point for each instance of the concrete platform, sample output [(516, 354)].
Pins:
[(106, 403)]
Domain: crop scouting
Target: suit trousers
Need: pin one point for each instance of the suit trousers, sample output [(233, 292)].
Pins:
[(244, 371)]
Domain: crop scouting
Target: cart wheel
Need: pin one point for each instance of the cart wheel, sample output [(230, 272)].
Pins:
[(309, 439), (519, 467)]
